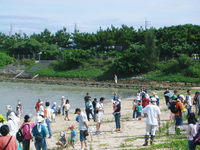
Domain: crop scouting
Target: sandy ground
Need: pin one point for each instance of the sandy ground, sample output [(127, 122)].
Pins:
[(131, 136)]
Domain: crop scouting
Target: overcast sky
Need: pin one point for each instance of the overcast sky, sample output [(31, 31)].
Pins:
[(35, 15)]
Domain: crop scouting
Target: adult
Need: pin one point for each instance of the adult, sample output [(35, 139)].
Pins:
[(145, 100), (117, 114), (152, 120), (94, 104), (19, 108), (9, 110), (54, 111), (26, 130), (100, 112), (179, 114), (189, 102), (115, 78), (115, 97), (37, 106), (62, 105), (192, 130), (166, 97), (197, 103), (48, 118), (41, 112), (83, 127), (157, 98), (7, 142), (12, 123), (87, 97), (89, 109), (39, 132), (67, 108)]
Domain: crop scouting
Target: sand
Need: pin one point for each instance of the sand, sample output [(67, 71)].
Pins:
[(131, 136)]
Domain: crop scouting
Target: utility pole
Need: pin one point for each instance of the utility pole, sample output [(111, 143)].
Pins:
[(11, 30), (146, 23)]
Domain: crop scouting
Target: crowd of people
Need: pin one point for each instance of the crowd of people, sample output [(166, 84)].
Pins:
[(14, 136)]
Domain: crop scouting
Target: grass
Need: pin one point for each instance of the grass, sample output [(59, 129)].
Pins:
[(76, 73), (158, 76)]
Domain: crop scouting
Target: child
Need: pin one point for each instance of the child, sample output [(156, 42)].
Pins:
[(73, 135), (139, 109), (62, 141), (67, 107), (134, 109)]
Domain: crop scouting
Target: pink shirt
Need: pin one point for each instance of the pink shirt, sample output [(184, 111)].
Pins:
[(26, 130), (4, 140)]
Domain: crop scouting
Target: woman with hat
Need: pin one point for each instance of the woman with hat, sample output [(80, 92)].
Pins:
[(39, 132), (26, 130)]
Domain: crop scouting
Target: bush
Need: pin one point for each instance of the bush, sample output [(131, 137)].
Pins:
[(5, 59)]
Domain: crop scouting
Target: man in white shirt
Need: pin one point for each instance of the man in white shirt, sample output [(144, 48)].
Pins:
[(99, 115), (83, 127), (189, 101), (152, 121)]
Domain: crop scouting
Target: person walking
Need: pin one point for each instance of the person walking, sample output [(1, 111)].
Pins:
[(39, 132), (83, 127), (7, 141), (48, 118), (89, 109), (192, 130), (100, 113), (26, 130), (117, 114), (94, 104), (189, 102), (152, 120)]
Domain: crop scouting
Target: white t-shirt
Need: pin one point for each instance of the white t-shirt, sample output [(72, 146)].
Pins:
[(189, 100), (67, 107), (13, 127), (152, 112), (83, 118), (100, 106), (192, 131)]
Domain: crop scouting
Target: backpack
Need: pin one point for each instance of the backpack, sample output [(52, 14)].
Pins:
[(20, 135), (196, 139), (173, 107)]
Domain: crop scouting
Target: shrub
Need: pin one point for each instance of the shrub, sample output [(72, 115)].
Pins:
[(5, 59)]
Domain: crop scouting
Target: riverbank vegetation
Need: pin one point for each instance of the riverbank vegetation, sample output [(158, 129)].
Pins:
[(168, 53)]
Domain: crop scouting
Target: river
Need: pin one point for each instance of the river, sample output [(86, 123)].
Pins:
[(29, 93)]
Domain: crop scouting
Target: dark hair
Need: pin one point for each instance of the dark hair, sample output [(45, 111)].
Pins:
[(188, 91), (95, 99), (77, 110), (26, 118), (47, 104), (102, 98), (67, 101), (192, 119), (4, 130)]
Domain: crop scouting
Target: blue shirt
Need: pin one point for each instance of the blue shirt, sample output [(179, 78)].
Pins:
[(73, 135)]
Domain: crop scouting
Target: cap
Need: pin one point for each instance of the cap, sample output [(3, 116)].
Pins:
[(71, 127), (181, 96), (63, 97), (39, 119), (77, 110), (153, 99), (2, 119)]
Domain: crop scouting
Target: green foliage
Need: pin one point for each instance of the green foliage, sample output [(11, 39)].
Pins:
[(27, 62), (5, 59)]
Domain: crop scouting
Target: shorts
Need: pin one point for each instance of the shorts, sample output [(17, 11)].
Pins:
[(99, 118), (66, 112), (151, 129), (82, 136), (179, 120)]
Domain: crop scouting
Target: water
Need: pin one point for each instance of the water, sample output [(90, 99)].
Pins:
[(29, 93)]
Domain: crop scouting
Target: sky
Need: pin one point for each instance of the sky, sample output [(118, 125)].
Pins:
[(33, 16)]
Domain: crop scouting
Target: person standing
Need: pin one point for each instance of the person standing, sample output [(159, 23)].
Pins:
[(19, 109), (152, 121), (166, 97), (26, 130), (39, 132), (192, 130), (37, 106), (41, 112), (134, 109), (189, 102), (7, 141), (67, 108), (62, 105), (89, 109), (115, 78), (145, 100), (48, 118), (117, 114), (83, 127), (94, 104), (12, 123), (100, 113), (179, 114)]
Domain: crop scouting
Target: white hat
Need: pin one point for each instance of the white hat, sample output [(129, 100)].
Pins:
[(182, 96), (153, 99), (9, 107), (39, 119), (41, 102), (63, 97), (54, 103)]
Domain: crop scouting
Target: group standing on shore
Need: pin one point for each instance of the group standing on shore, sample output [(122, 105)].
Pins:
[(145, 105)]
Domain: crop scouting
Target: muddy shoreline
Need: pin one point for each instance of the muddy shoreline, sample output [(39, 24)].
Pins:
[(85, 82)]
